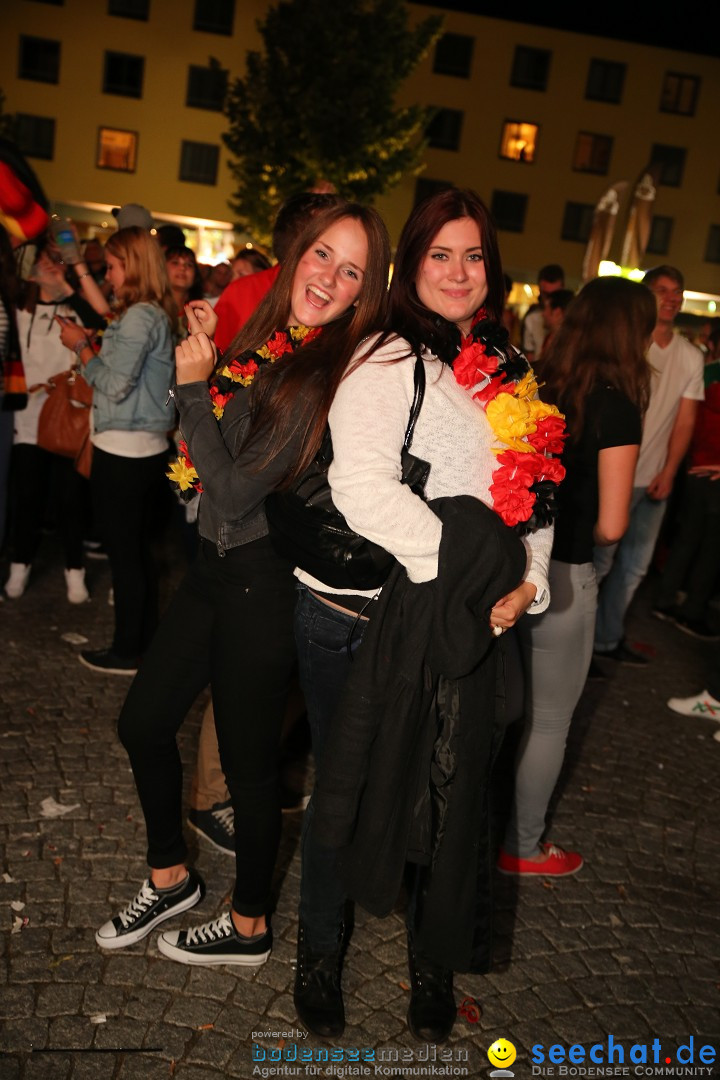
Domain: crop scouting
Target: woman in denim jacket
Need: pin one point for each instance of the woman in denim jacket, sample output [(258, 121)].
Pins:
[(131, 378)]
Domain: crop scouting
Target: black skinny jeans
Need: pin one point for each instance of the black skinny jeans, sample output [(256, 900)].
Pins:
[(230, 624), (126, 495)]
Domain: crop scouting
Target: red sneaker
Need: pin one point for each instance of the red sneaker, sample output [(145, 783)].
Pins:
[(558, 863)]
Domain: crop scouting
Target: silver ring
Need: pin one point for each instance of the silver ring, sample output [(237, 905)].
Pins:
[(498, 631)]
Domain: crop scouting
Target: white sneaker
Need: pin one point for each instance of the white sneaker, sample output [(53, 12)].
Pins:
[(17, 581), (76, 590), (702, 704)]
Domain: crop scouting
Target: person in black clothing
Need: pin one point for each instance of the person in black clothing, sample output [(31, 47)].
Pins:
[(231, 621)]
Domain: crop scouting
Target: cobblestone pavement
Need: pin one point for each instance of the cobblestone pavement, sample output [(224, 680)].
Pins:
[(630, 948)]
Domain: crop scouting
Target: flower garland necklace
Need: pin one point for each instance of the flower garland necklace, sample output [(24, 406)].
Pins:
[(528, 431), (228, 377)]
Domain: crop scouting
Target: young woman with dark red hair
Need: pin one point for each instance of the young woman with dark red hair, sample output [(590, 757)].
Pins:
[(429, 661)]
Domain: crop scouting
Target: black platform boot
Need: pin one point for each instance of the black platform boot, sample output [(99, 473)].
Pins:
[(432, 1009), (318, 996)]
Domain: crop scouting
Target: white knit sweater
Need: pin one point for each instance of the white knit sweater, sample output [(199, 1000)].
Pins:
[(368, 419)]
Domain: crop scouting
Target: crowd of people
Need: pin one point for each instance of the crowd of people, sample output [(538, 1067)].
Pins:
[(449, 511)]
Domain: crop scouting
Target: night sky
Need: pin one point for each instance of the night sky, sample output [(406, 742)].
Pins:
[(647, 24)]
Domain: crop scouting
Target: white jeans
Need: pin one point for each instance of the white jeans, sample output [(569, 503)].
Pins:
[(556, 652)]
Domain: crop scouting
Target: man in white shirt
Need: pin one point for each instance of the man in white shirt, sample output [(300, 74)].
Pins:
[(675, 389), (550, 279)]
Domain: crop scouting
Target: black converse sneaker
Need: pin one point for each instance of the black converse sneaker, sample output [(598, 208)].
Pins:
[(150, 907), (216, 942), (216, 825)]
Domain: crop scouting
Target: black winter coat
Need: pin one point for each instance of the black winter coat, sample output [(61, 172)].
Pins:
[(405, 773)]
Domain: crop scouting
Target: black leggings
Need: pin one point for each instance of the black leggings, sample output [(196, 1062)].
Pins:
[(231, 625)]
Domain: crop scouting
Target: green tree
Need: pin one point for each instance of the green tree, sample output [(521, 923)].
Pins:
[(318, 105)]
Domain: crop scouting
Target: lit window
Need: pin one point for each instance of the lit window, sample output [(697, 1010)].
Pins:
[(679, 93), (117, 149), (592, 153), (519, 141)]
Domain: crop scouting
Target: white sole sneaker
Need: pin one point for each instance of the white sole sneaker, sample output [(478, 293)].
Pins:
[(148, 910), (215, 944)]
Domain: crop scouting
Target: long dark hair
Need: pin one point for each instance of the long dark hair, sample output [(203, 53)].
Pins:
[(195, 292), (298, 390), (602, 341), (407, 316)]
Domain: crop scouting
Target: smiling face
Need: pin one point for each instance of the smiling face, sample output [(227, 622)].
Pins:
[(330, 274), (502, 1053), (669, 298), (115, 272), (451, 279)]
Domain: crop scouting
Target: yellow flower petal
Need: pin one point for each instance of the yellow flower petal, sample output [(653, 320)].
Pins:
[(181, 474)]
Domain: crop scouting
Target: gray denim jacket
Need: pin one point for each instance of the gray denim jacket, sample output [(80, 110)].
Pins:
[(231, 506)]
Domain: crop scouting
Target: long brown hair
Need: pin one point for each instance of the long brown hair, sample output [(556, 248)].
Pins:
[(298, 390), (602, 341), (407, 316), (146, 279)]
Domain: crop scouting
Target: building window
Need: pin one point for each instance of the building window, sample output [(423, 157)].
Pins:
[(123, 74), (592, 153), (444, 129), (660, 233), (671, 160), (117, 149), (531, 68), (712, 250), (679, 93), (577, 221), (199, 162), (214, 16), (518, 141), (605, 81), (35, 135), (424, 188), (453, 55), (39, 59), (508, 208), (206, 87), (130, 9)]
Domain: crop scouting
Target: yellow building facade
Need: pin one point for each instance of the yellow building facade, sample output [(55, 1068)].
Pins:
[(118, 102)]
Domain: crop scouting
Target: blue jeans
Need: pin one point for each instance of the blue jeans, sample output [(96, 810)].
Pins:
[(621, 578), (322, 635)]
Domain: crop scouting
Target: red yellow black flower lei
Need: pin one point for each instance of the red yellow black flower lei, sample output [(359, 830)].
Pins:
[(229, 376), (528, 431)]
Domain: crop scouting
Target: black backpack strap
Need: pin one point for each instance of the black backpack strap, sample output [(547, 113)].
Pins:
[(419, 394)]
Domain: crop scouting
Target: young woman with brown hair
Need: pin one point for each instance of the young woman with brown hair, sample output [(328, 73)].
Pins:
[(231, 622), (596, 371)]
